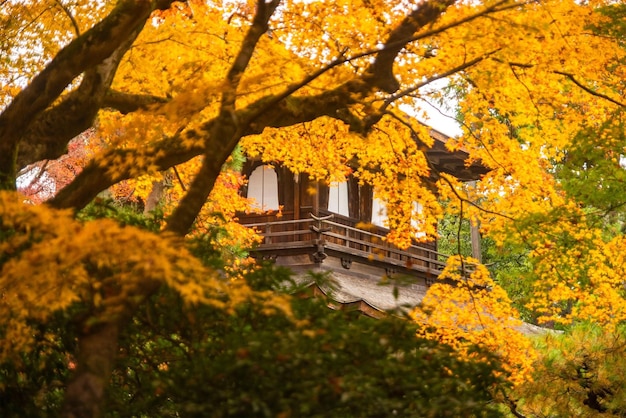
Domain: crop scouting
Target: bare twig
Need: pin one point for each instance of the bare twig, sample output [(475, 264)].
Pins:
[(464, 275), (477, 206), (180, 180), (68, 12), (588, 90), (429, 80)]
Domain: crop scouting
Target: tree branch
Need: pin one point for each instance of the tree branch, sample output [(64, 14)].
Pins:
[(277, 111), (381, 71), (83, 53), (68, 13), (96, 176), (371, 120), (474, 204), (48, 135), (225, 132), (446, 74), (128, 102), (588, 90), (362, 84)]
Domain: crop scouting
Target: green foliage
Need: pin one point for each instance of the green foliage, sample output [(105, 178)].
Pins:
[(200, 362), (34, 384), (236, 160), (592, 170), (123, 214), (580, 373), (197, 361), (615, 25), (454, 238)]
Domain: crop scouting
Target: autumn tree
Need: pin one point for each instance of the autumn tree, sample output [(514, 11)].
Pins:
[(319, 87)]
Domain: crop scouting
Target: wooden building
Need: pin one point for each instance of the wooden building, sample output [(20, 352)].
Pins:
[(320, 232)]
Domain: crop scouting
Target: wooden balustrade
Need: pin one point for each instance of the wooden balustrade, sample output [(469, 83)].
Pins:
[(341, 236)]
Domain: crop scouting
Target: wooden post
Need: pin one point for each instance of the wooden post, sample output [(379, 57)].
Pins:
[(296, 196), (316, 199), (475, 233), (475, 238)]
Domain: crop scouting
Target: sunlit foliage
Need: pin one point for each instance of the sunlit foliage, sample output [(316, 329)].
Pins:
[(330, 88), (467, 308)]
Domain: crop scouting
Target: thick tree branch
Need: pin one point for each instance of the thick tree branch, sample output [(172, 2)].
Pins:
[(381, 71), (83, 53), (128, 102), (95, 360), (97, 54), (48, 135), (426, 14), (225, 132), (273, 111), (290, 111), (96, 177)]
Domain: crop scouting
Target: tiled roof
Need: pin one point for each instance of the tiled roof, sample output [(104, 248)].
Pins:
[(375, 299)]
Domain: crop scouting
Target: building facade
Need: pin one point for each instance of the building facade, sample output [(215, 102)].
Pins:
[(319, 228)]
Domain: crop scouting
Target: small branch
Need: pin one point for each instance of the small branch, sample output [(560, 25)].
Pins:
[(588, 90), (42, 170), (495, 8), (414, 135), (480, 208), (436, 77), (530, 94), (469, 130), (70, 16), (180, 180), (464, 272), (513, 407)]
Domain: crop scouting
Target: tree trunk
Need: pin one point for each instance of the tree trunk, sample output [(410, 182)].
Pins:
[(155, 196), (8, 169), (97, 350)]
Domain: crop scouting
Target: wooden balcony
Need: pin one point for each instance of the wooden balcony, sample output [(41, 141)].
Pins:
[(334, 235)]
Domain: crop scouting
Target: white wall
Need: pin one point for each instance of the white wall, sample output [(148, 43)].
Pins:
[(379, 215), (263, 188), (338, 198)]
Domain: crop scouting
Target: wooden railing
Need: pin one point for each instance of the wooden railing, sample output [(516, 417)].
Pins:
[(334, 234)]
